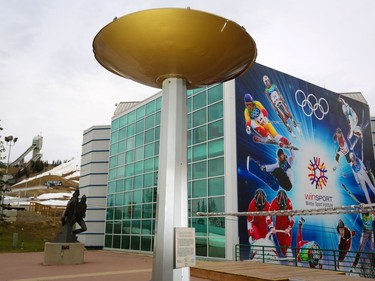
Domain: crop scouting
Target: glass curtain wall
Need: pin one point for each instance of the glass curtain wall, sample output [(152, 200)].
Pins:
[(206, 169), (133, 167), (132, 178)]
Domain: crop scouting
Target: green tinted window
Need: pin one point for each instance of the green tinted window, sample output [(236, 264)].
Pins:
[(113, 162), (149, 136), (114, 137), (158, 103), (115, 125), (140, 112), (139, 153), (150, 121), (217, 250), (128, 183), (147, 211), (157, 133), (121, 159), (128, 198), (129, 170), (157, 118), (123, 120), (215, 130), (215, 111), (137, 196), (216, 148), (130, 143), (139, 139), (111, 187), (216, 167), (215, 94), (122, 134), (150, 107), (199, 100), (149, 165), (148, 180), (216, 204), (190, 121), (157, 146), (216, 186), (200, 225), (189, 104), (129, 156), (140, 126), (138, 167), (131, 117), (130, 130), (200, 134), (121, 172), (199, 117), (118, 200), (147, 194), (121, 146), (199, 205), (114, 149), (112, 174), (199, 170), (199, 188), (149, 150), (199, 152), (138, 182)]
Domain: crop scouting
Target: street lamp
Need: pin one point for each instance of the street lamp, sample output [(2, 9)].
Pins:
[(10, 141)]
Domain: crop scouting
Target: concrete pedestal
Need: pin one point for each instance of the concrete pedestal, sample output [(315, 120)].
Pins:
[(63, 253)]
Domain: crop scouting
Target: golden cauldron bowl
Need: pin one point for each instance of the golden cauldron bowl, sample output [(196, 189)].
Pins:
[(152, 45)]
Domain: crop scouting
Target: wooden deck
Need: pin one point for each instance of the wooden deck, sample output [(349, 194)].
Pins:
[(249, 270)]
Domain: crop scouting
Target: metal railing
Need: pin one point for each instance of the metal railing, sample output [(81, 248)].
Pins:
[(328, 259)]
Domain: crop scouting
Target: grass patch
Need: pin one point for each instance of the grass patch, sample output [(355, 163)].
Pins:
[(27, 235)]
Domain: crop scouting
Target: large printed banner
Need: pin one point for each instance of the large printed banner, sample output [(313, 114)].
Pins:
[(300, 146)]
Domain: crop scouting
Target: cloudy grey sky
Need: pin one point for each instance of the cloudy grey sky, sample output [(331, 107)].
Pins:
[(51, 84)]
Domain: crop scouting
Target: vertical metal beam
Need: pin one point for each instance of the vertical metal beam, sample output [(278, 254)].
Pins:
[(171, 208)]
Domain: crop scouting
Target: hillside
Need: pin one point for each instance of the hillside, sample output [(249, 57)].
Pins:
[(34, 188)]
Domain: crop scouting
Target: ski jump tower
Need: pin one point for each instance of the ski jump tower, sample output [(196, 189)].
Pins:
[(35, 148)]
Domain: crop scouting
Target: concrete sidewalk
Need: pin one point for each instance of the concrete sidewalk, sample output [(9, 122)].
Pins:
[(98, 266)]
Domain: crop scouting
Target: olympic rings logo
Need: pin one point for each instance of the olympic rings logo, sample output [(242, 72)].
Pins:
[(311, 105)]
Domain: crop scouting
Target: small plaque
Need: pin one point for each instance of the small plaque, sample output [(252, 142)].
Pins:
[(184, 247)]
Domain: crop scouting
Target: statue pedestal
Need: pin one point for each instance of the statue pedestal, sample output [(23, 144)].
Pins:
[(63, 253)]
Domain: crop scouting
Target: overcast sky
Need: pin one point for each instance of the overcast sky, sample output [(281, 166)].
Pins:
[(51, 84)]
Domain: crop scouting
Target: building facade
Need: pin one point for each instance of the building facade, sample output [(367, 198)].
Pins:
[(230, 145), (93, 182)]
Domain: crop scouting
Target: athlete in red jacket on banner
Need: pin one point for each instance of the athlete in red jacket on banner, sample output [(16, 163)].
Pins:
[(282, 202), (345, 240), (257, 227)]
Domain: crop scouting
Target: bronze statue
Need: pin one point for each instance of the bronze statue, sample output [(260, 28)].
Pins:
[(74, 212)]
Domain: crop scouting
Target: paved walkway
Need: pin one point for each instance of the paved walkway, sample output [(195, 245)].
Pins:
[(97, 266)]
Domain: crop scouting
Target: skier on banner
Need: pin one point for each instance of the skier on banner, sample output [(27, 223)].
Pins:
[(256, 117), (343, 148), (345, 241), (282, 169), (360, 175), (257, 226), (279, 105), (308, 251), (282, 202), (352, 119)]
